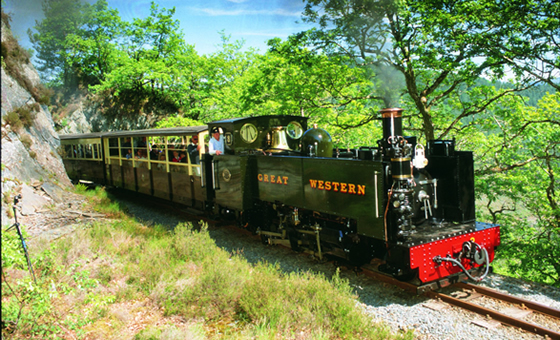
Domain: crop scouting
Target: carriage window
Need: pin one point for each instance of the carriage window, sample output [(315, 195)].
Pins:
[(140, 150), (67, 151), (126, 148), (177, 149), (114, 147), (88, 151), (156, 147), (96, 151), (75, 151)]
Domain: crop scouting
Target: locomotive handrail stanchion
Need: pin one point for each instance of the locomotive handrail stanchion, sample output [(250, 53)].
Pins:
[(215, 181), (23, 244), (202, 177)]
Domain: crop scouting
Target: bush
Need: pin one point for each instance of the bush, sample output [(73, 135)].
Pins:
[(26, 141), (26, 115), (22, 116), (87, 277), (43, 94), (12, 118), (13, 56), (12, 252)]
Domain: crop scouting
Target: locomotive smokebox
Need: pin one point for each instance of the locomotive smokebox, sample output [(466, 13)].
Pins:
[(392, 122)]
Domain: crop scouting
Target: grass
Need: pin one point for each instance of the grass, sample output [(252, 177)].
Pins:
[(121, 279)]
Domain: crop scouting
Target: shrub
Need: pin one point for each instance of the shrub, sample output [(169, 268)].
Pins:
[(44, 94), (26, 115), (22, 116), (87, 277), (26, 141), (12, 252), (13, 56), (12, 118)]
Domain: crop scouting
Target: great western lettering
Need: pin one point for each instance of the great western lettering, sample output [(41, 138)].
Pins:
[(345, 188), (274, 179)]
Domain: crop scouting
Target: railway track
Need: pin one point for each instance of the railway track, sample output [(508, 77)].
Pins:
[(513, 312)]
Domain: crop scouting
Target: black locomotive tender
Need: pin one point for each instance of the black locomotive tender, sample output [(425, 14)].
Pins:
[(409, 212)]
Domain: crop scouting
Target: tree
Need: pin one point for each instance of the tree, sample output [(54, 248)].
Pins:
[(449, 53), (93, 48), (528, 38), (62, 17), (524, 200), (291, 79), (225, 75), (149, 69), (439, 48)]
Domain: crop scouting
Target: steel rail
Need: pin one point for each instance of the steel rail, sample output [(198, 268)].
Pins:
[(537, 307), (503, 318)]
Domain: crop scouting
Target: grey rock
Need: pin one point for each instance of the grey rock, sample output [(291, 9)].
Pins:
[(31, 201)]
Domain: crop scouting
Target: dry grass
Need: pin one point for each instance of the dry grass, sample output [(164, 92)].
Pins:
[(122, 280)]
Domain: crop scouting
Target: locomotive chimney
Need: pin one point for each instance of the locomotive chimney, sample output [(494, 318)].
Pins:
[(392, 122)]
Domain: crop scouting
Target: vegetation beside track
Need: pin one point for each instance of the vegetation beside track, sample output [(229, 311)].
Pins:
[(120, 279)]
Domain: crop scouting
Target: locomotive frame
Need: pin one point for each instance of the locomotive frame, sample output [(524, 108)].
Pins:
[(410, 212)]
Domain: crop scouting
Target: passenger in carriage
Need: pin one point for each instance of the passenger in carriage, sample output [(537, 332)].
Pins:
[(176, 158), (142, 143), (161, 166), (154, 154), (193, 150), (128, 154), (183, 157), (216, 144), (141, 155), (125, 146)]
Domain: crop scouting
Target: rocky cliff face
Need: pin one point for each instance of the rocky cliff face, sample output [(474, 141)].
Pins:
[(84, 117), (31, 164)]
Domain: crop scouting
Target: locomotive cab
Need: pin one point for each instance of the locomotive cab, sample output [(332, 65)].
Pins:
[(263, 134), (230, 179)]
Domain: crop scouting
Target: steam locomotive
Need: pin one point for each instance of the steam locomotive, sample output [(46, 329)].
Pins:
[(406, 208)]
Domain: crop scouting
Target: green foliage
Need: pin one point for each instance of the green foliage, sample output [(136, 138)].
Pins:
[(149, 68), (12, 251), (22, 116), (26, 115), (94, 46), (12, 118), (80, 188), (171, 332), (177, 121), (185, 273), (61, 18), (439, 50), (519, 185), (327, 304)]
